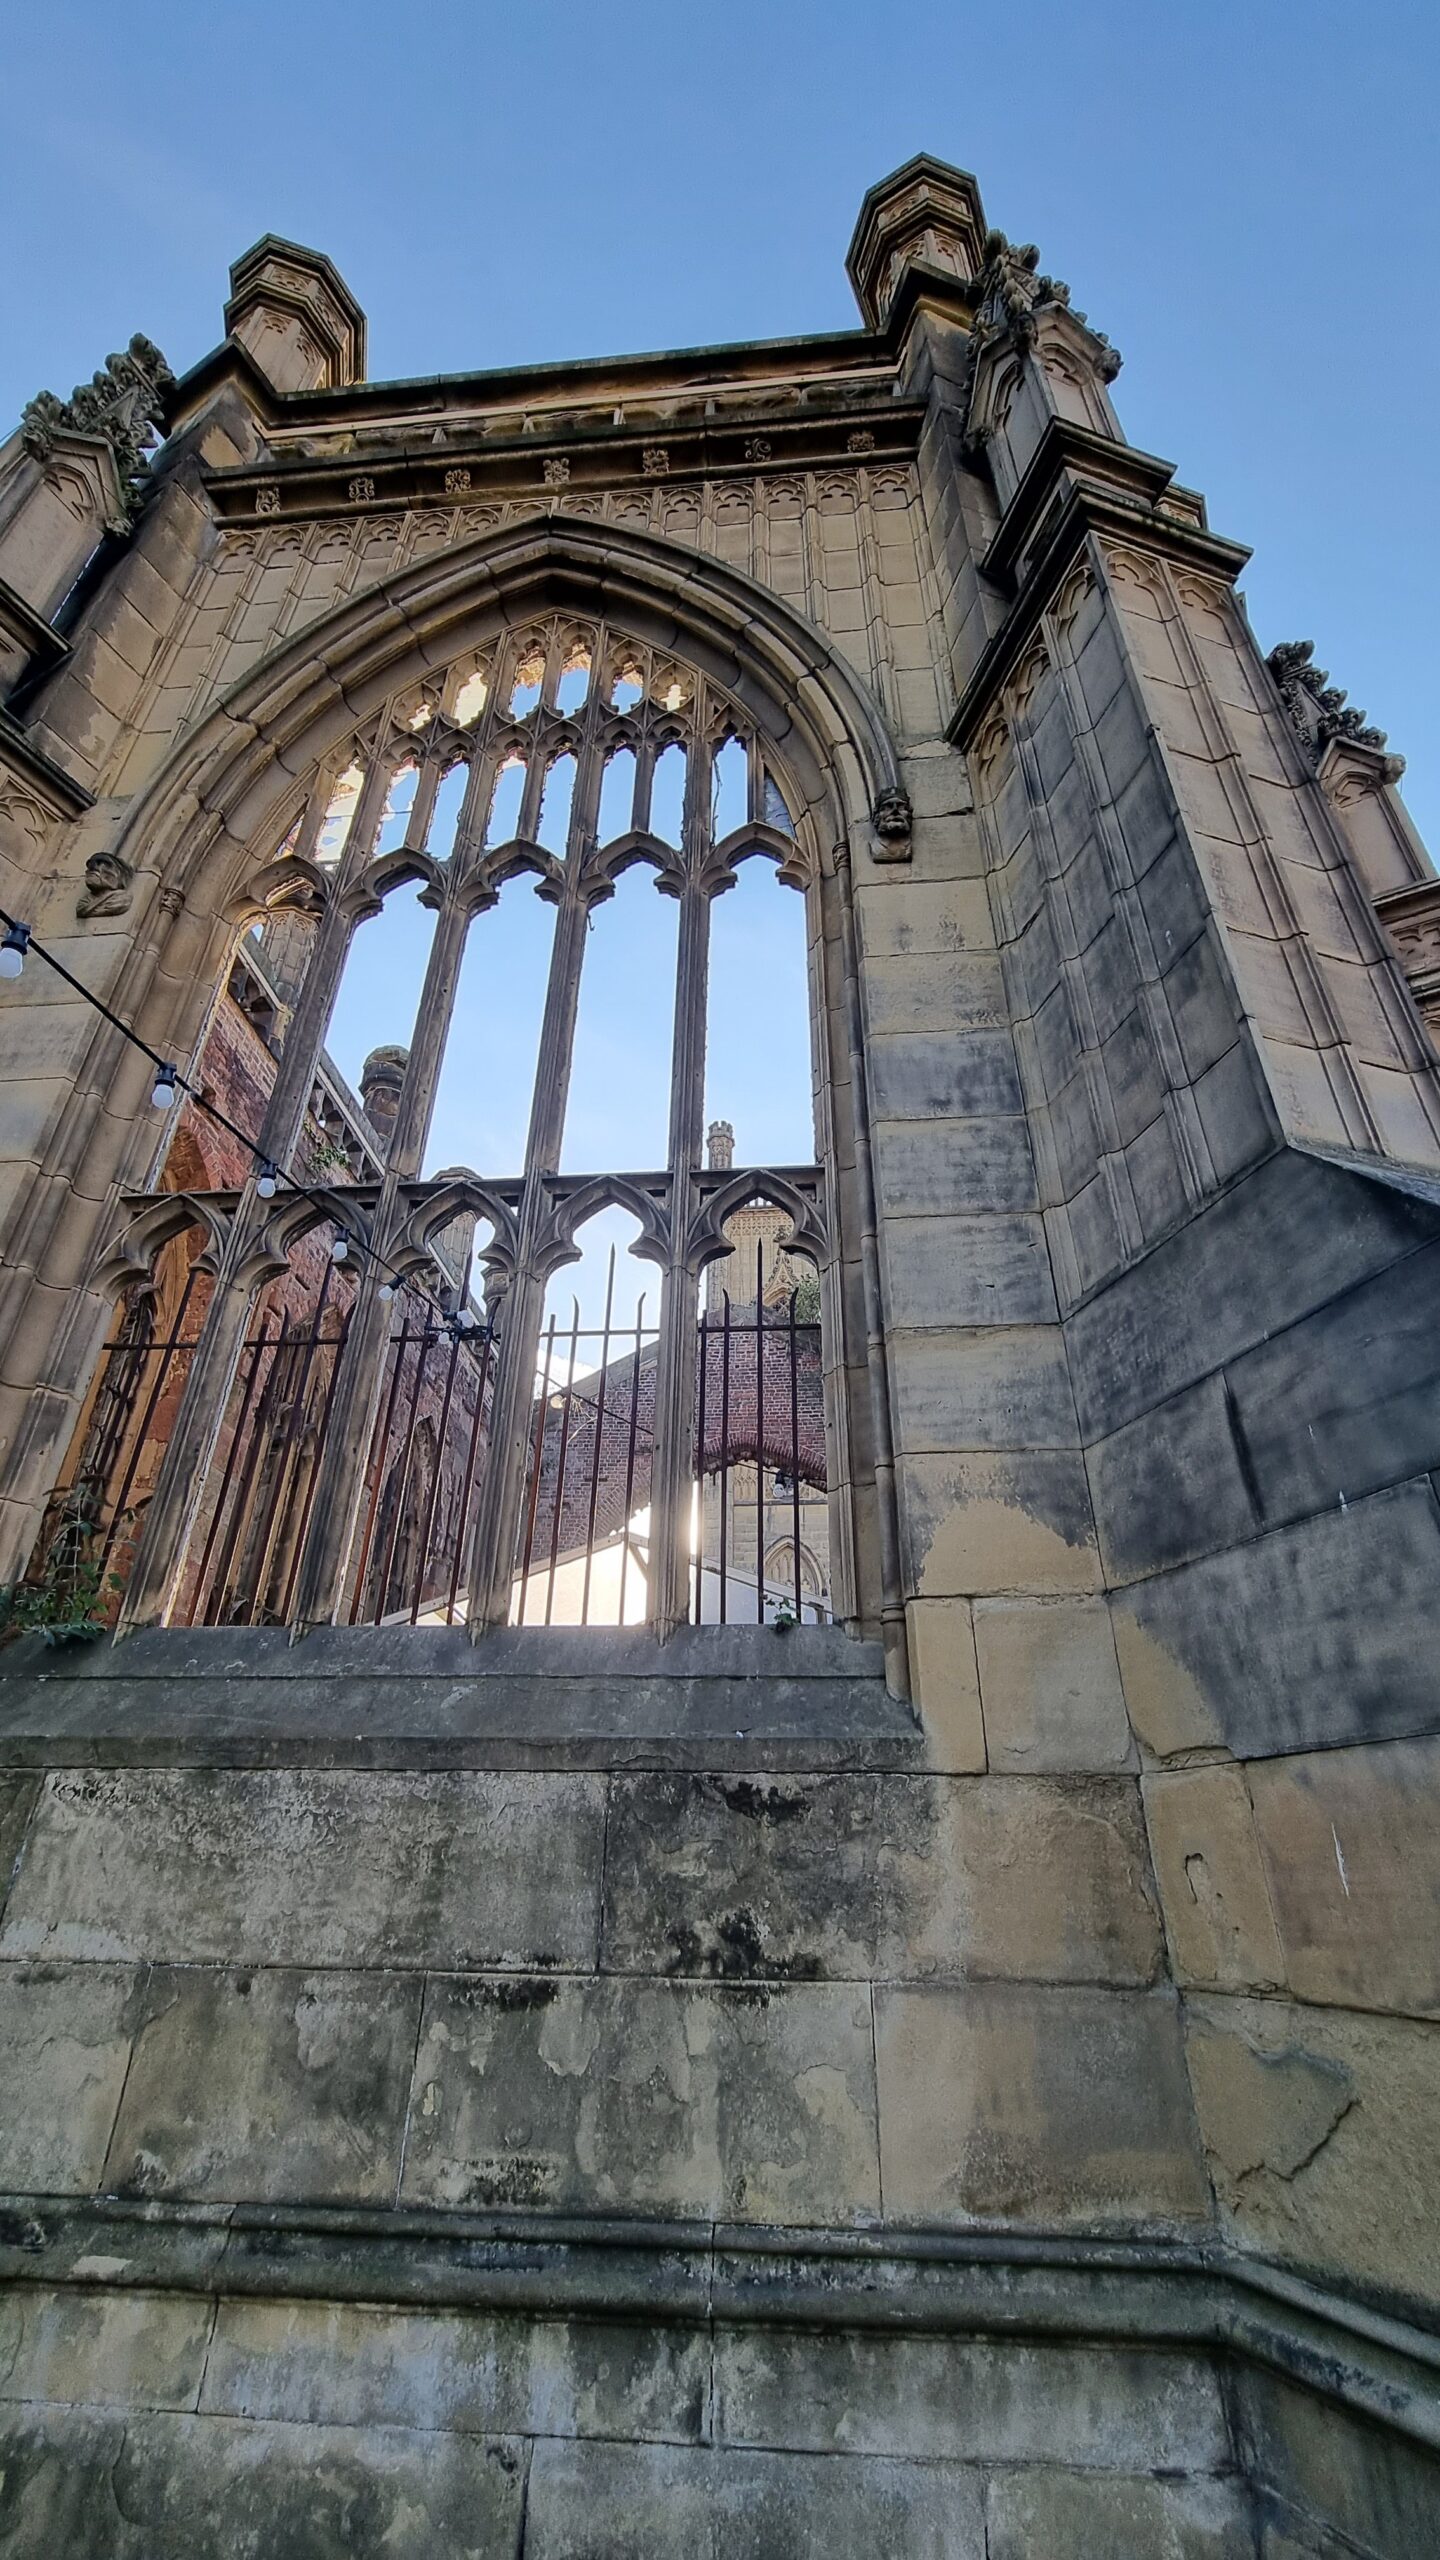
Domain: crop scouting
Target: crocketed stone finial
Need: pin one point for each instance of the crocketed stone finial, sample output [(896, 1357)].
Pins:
[(123, 406), (1013, 293), (1317, 709)]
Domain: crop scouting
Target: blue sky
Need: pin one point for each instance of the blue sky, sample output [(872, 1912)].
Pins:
[(1242, 196)]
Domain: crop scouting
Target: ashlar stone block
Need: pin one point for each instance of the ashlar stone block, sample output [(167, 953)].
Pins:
[(1011, 1521), (101, 2486), (65, 2036), (1318, 2124), (945, 1682), (1045, 2511), (675, 2502), (103, 2349), (1050, 1686), (361, 2365), (1069, 2106), (312, 1867), (1026, 1879), (1351, 1847), (743, 1876), (1219, 1916), (270, 2084), (964, 2399), (748, 2104)]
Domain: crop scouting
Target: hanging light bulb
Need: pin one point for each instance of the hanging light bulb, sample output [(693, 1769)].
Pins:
[(166, 1088), (385, 1292), (13, 950), (340, 1249), (267, 1180)]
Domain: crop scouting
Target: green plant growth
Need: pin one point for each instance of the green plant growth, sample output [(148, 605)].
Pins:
[(807, 1298), (64, 1600)]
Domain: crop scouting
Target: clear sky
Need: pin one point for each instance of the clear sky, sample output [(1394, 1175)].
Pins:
[(1241, 193)]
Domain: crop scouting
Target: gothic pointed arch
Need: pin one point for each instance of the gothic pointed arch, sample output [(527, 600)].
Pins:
[(325, 762)]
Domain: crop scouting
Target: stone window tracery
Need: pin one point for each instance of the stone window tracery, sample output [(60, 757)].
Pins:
[(567, 754)]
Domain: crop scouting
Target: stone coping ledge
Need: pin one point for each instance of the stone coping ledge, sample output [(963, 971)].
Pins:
[(1142, 2291), (392, 1698), (448, 1653)]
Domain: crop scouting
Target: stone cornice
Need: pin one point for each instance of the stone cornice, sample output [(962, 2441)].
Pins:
[(62, 797), (673, 374), (565, 455), (1078, 484), (1139, 2292), (1065, 454)]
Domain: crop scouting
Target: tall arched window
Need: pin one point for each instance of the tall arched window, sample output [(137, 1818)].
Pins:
[(568, 754)]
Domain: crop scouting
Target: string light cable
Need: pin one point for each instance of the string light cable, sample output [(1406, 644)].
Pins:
[(15, 947)]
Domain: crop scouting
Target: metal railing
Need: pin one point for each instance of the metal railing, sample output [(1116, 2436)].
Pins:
[(747, 1492)]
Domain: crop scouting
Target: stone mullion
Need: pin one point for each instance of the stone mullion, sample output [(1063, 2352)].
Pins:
[(359, 1378), (305, 1038), (172, 1511), (497, 1513), (474, 818), (646, 760), (673, 1462), (422, 807), (537, 763)]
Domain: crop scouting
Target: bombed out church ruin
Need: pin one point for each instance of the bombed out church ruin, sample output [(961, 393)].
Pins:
[(780, 1900)]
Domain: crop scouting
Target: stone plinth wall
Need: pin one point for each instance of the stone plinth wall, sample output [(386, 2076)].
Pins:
[(582, 2157)]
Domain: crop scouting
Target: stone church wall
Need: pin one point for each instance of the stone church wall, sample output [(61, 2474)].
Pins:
[(709, 2098)]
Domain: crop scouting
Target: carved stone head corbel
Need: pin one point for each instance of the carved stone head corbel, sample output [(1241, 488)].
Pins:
[(892, 819), (109, 882)]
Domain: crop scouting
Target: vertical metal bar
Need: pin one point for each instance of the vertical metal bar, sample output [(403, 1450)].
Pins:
[(699, 1514), (205, 1599), (599, 1437), (724, 1446), (308, 1503), (467, 1486), (630, 1452), (171, 1348), (759, 1430), (429, 1529), (560, 1462), (543, 1407), (795, 1450), (259, 1344), (378, 1470), (422, 1355), (292, 1433), (116, 1394)]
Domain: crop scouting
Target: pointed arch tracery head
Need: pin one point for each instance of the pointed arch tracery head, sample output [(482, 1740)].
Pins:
[(436, 649)]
